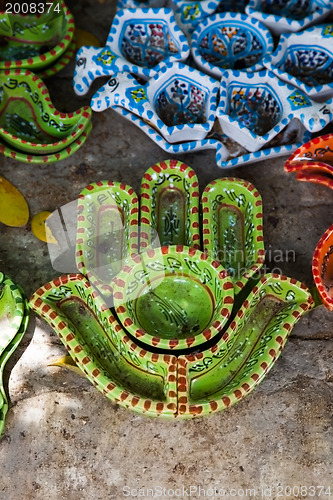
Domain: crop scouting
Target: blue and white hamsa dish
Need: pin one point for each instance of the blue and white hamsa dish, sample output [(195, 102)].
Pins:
[(305, 60), (179, 102), (136, 4), (286, 16), (256, 107), (230, 40), (229, 154), (139, 39)]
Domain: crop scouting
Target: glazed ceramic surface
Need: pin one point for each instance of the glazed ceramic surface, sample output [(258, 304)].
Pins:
[(230, 40), (58, 64), (313, 162), (285, 16), (28, 120), (129, 355), (224, 374), (173, 297), (232, 227), (134, 4), (46, 158), (169, 204), (189, 13), (14, 318), (306, 61), (229, 154), (255, 107), (138, 41), (35, 42), (107, 231), (179, 102), (125, 373), (322, 268)]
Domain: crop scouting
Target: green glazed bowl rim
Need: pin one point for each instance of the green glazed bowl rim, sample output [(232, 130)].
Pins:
[(91, 367), (40, 61), (7, 353), (17, 300), (49, 158), (146, 199), (179, 406), (58, 64), (81, 116), (179, 251)]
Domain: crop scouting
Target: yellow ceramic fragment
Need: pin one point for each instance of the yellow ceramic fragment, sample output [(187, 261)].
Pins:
[(68, 363), (83, 37), (14, 210), (40, 228)]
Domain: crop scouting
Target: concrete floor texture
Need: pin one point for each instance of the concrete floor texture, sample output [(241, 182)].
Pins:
[(65, 440)]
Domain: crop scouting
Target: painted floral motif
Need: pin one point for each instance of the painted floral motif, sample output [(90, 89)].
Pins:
[(230, 47), (147, 43), (255, 108), (288, 8), (191, 12), (311, 66), (139, 95), (298, 100), (105, 57), (181, 103)]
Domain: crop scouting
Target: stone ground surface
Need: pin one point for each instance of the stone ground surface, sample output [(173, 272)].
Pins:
[(64, 440)]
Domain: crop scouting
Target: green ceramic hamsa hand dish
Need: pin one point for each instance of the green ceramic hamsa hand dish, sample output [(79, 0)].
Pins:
[(172, 315)]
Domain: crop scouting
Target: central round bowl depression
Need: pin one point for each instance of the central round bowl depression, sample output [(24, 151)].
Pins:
[(173, 297)]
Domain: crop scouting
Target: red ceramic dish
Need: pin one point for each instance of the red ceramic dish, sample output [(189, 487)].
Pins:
[(322, 267)]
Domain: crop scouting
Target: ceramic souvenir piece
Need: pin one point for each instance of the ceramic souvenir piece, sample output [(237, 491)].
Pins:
[(107, 231), (28, 120), (229, 154), (14, 318), (189, 13), (173, 297), (122, 371), (322, 268), (306, 61), (285, 16), (46, 158), (232, 227), (35, 42), (224, 374), (137, 371), (169, 203), (230, 41), (179, 102), (313, 161), (136, 4), (255, 107), (59, 64), (138, 41)]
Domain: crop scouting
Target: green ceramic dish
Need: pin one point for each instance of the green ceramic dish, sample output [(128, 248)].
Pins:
[(125, 373), (11, 311), (14, 319), (50, 158), (169, 204), (219, 377), (232, 227), (107, 231), (28, 120), (59, 64), (36, 41), (211, 373), (173, 297)]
